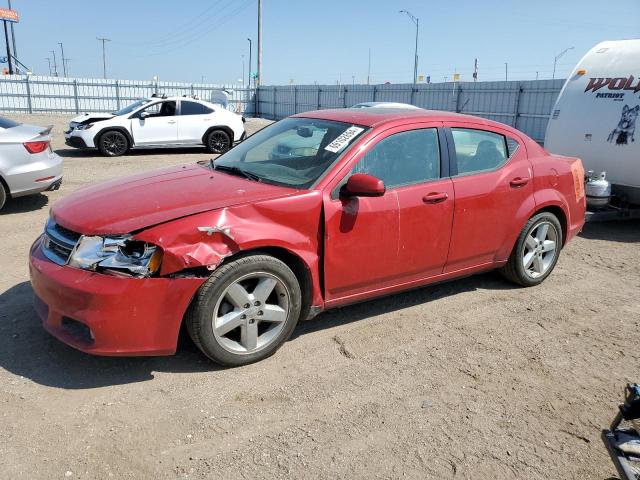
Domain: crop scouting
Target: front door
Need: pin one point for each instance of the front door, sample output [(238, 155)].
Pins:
[(375, 243), (158, 127)]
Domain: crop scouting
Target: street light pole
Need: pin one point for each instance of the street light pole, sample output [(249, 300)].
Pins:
[(415, 20), (104, 57), (249, 79), (555, 61), (258, 80)]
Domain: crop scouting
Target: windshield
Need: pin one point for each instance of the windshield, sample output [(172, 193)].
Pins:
[(132, 107), (294, 152)]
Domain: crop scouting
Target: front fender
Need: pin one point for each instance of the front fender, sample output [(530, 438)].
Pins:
[(206, 239)]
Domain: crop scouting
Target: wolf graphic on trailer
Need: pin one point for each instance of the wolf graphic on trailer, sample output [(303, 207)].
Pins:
[(626, 126)]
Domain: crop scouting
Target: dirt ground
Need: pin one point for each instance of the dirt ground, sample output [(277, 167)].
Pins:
[(469, 379)]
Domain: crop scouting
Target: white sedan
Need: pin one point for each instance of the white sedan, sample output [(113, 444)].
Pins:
[(157, 122)]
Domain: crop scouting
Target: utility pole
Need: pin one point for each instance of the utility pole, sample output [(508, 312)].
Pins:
[(104, 56), (415, 20), (49, 62), (369, 68), (6, 39), (249, 79), (506, 72), (555, 60), (64, 64), (13, 36), (259, 77), (55, 65)]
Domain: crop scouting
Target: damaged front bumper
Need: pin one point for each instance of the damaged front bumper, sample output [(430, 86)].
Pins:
[(109, 315)]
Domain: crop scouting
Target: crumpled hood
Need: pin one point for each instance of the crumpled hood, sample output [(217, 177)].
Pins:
[(132, 203), (95, 116)]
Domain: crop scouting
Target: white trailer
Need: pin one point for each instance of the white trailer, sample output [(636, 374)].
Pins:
[(595, 117)]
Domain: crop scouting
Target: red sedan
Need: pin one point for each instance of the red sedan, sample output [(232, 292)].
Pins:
[(318, 210)]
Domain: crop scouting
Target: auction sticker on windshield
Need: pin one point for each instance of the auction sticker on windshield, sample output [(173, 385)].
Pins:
[(343, 140)]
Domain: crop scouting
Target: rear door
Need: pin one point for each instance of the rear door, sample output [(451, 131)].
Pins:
[(193, 121), (492, 179)]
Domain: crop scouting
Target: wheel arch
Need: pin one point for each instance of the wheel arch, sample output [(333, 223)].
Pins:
[(224, 128), (115, 127), (560, 214), (298, 266)]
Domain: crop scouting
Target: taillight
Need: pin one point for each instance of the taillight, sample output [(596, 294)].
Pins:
[(36, 147)]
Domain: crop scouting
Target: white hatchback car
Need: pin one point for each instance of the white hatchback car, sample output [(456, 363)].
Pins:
[(157, 122)]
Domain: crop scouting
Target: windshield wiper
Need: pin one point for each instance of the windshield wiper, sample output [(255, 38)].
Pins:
[(236, 171)]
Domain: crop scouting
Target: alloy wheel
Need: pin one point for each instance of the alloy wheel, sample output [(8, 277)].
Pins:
[(114, 143), (540, 249), (219, 141), (251, 313)]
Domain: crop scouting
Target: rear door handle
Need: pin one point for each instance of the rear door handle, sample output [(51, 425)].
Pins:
[(435, 197), (519, 182)]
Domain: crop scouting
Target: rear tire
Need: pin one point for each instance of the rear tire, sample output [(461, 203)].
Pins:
[(245, 311), (3, 195), (113, 143), (536, 251), (218, 141)]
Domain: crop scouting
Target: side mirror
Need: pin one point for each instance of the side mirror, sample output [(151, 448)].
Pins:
[(363, 185), (304, 132), (144, 115)]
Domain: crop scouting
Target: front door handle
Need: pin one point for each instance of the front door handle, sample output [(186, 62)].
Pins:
[(435, 197), (519, 182), (171, 122)]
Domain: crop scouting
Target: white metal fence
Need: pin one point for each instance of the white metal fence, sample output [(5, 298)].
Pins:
[(35, 94), (525, 105)]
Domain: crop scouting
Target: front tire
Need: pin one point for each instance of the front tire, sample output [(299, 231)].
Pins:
[(113, 143), (245, 311), (3, 195), (536, 251), (218, 141)]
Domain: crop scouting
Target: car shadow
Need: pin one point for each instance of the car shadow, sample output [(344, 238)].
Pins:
[(625, 231), (29, 203), (27, 350), (400, 301), (74, 153)]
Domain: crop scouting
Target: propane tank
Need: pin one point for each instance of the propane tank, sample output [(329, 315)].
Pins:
[(598, 190)]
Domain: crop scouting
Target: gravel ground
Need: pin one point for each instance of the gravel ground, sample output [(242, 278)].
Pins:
[(469, 379)]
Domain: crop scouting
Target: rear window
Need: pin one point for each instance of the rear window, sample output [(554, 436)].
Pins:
[(6, 123), (193, 108)]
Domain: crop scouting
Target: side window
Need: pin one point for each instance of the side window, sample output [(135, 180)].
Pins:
[(161, 109), (512, 146), (478, 150), (191, 108), (403, 158)]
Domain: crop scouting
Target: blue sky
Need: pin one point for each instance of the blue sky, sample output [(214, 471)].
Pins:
[(325, 41)]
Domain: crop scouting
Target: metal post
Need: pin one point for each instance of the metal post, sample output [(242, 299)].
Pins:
[(118, 94), (55, 65), (192, 91), (29, 104), (258, 80), (13, 36), (295, 100), (64, 66), (344, 96), (506, 72), (318, 99), (369, 68), (249, 76), (104, 56), (256, 101), (273, 104), (375, 90), (416, 21), (75, 96), (49, 62), (458, 92), (6, 39)]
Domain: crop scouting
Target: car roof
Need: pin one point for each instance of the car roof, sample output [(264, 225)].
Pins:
[(374, 117), (179, 97), (384, 105)]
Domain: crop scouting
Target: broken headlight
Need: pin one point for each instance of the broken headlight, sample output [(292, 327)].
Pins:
[(122, 254)]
